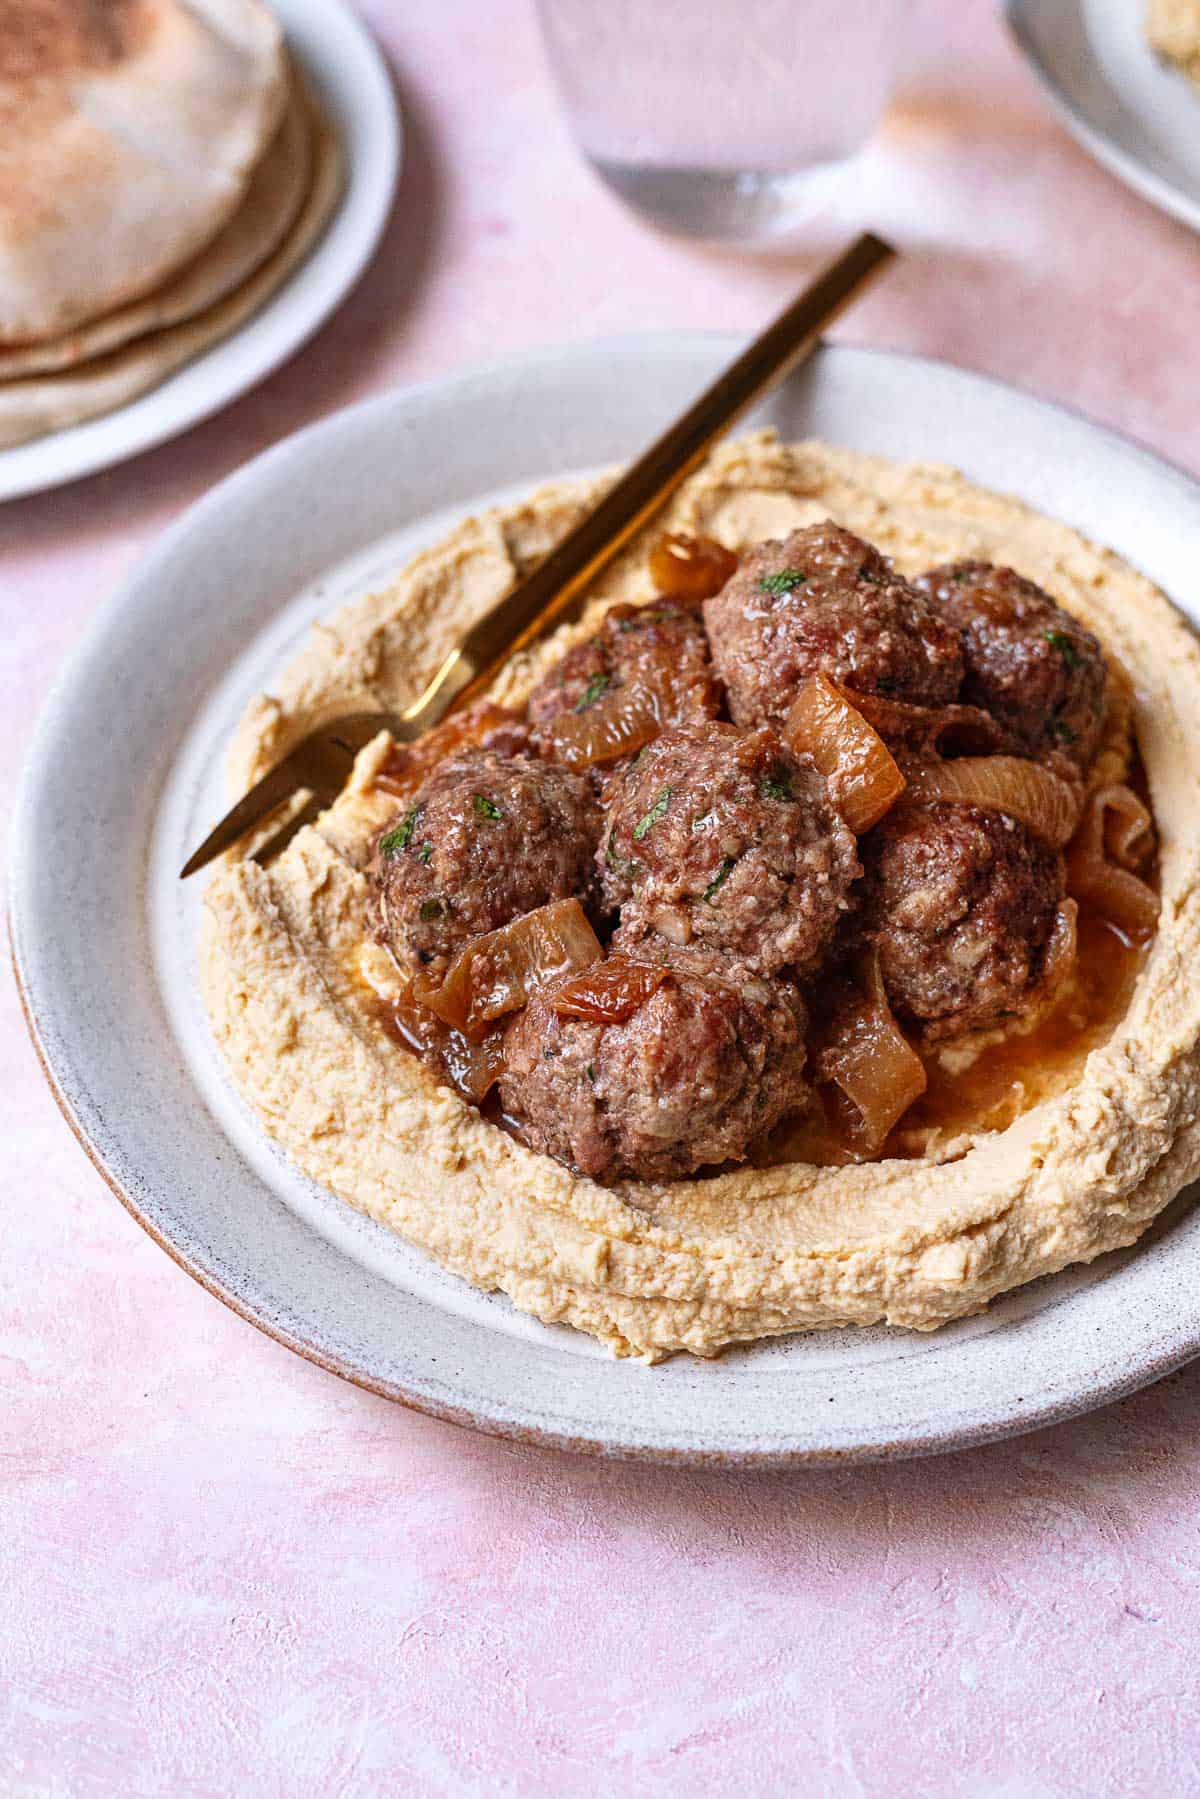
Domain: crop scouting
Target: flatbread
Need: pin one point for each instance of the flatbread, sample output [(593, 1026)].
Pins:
[(47, 403), (273, 200), (129, 130)]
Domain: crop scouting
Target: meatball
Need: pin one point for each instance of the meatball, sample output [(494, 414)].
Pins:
[(1030, 664), (962, 905), (486, 838), (664, 640), (724, 839), (824, 601), (699, 1070)]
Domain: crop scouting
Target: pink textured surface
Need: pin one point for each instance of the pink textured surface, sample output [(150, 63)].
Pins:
[(224, 1572)]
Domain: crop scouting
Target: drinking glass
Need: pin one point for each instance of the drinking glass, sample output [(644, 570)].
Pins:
[(722, 118)]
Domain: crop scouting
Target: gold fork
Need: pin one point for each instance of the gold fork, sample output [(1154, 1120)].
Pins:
[(321, 762)]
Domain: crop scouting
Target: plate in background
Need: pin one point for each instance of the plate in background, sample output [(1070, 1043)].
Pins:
[(1130, 110), (346, 70), (104, 933)]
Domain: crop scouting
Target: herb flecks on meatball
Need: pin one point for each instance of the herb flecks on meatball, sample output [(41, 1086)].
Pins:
[(699, 1070), (485, 839), (823, 601), (1036, 669), (962, 905), (661, 643), (724, 839)]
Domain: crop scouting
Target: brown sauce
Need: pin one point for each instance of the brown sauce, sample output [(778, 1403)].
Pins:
[(1005, 1078)]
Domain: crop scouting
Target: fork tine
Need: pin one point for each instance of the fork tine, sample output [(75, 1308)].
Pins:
[(277, 785), (308, 814)]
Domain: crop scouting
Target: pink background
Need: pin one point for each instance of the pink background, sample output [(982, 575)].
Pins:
[(221, 1570)]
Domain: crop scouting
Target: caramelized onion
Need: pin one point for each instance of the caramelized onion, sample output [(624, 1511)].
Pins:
[(609, 992), (617, 725), (496, 973), (473, 1068), (860, 769), (868, 1058), (1045, 803), (931, 730), (408, 764), (1128, 828), (1116, 830), (692, 568)]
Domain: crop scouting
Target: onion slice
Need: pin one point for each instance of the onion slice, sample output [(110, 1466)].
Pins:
[(618, 724), (868, 1058), (1128, 827), (1044, 802), (690, 568), (497, 973), (861, 771), (1116, 836), (931, 730), (608, 992), (472, 1068)]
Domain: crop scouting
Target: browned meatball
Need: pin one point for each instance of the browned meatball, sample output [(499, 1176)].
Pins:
[(486, 838), (699, 1070), (824, 601), (1030, 664), (961, 904), (724, 839), (663, 640)]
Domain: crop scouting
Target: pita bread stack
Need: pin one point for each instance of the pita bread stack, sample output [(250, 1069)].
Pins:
[(162, 172)]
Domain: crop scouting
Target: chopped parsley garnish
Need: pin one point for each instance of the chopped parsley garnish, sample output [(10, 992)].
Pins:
[(590, 1072), (392, 842), (1062, 730), (485, 808), (719, 879), (425, 853), (784, 581), (1058, 640), (777, 785), (431, 909), (592, 692), (657, 811)]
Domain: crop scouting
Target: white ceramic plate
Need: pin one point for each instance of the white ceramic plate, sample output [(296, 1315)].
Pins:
[(1136, 115), (125, 776), (346, 70)]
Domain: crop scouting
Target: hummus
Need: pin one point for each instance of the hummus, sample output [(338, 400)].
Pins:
[(699, 1263)]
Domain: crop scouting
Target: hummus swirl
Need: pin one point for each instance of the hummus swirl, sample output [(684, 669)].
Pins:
[(290, 984)]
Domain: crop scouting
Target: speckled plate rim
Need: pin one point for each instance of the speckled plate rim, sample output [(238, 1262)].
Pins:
[(1110, 114), (1044, 1353), (347, 71)]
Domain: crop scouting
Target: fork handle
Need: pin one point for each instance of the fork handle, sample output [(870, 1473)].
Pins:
[(559, 579)]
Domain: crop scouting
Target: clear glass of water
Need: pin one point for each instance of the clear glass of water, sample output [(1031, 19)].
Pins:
[(723, 119)]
